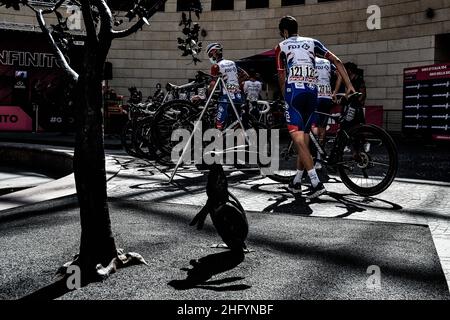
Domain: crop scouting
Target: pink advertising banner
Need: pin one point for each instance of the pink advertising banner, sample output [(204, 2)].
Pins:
[(13, 118)]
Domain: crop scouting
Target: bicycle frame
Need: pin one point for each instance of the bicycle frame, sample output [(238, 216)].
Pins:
[(221, 82), (337, 139)]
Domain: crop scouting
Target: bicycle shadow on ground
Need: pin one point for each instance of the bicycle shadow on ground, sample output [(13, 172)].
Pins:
[(355, 203), (352, 203), (205, 268), (191, 185)]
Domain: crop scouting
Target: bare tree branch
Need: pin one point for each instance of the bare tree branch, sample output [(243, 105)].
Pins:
[(88, 19), (138, 25), (77, 3), (59, 55), (125, 33), (54, 8), (106, 26)]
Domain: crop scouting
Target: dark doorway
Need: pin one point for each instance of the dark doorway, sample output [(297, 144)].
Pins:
[(442, 48)]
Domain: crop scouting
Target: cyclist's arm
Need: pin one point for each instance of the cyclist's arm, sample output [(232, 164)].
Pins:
[(280, 60), (338, 85), (245, 87), (321, 51), (341, 70), (242, 77), (362, 99), (215, 71)]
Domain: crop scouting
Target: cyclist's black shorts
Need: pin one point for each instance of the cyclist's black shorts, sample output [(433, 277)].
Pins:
[(323, 105)]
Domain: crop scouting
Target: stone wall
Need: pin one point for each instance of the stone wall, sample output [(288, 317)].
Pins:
[(406, 38)]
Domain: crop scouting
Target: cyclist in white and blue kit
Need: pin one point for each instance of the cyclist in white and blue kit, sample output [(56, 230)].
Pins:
[(297, 75), (230, 74), (325, 97), (252, 90)]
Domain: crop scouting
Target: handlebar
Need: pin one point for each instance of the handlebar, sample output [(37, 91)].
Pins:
[(204, 74), (358, 94), (189, 85), (266, 106), (349, 97)]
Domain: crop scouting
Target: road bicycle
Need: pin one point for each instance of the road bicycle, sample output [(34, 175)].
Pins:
[(364, 155), (144, 144), (136, 134), (136, 113), (182, 114)]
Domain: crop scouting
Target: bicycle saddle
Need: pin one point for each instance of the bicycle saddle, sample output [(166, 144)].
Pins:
[(204, 74)]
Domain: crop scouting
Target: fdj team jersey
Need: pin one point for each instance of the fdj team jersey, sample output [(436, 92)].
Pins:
[(229, 72), (297, 56), (324, 71), (252, 89)]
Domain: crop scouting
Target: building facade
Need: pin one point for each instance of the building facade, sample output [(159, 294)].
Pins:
[(411, 33)]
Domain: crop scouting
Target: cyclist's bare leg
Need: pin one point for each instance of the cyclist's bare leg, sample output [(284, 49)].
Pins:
[(301, 142)]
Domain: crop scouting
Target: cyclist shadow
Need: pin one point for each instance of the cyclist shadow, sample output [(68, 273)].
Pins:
[(205, 268), (299, 206), (354, 203)]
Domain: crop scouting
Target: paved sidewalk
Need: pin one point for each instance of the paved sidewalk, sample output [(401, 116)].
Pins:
[(406, 201), (112, 141), (13, 178), (410, 201), (293, 258), (59, 188)]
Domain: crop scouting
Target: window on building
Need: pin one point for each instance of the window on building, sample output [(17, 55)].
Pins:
[(162, 8), (292, 2), (183, 5), (222, 5), (120, 5), (253, 4)]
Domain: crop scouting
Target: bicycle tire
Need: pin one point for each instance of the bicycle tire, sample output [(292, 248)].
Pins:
[(362, 131), (126, 138), (164, 124), (142, 141)]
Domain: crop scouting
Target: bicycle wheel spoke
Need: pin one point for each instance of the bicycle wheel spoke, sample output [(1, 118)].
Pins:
[(369, 161)]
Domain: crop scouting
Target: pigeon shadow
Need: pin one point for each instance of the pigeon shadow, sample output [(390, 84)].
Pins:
[(205, 268)]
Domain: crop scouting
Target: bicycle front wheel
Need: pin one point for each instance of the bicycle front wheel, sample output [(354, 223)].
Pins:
[(368, 160)]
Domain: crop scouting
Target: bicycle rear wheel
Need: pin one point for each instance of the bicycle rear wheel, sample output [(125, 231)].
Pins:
[(176, 114), (126, 137), (143, 144), (368, 160)]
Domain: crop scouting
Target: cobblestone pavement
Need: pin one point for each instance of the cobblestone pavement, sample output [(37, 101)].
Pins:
[(406, 201)]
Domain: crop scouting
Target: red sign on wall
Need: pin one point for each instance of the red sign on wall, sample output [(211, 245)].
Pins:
[(14, 119), (426, 101), (374, 115), (431, 72)]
